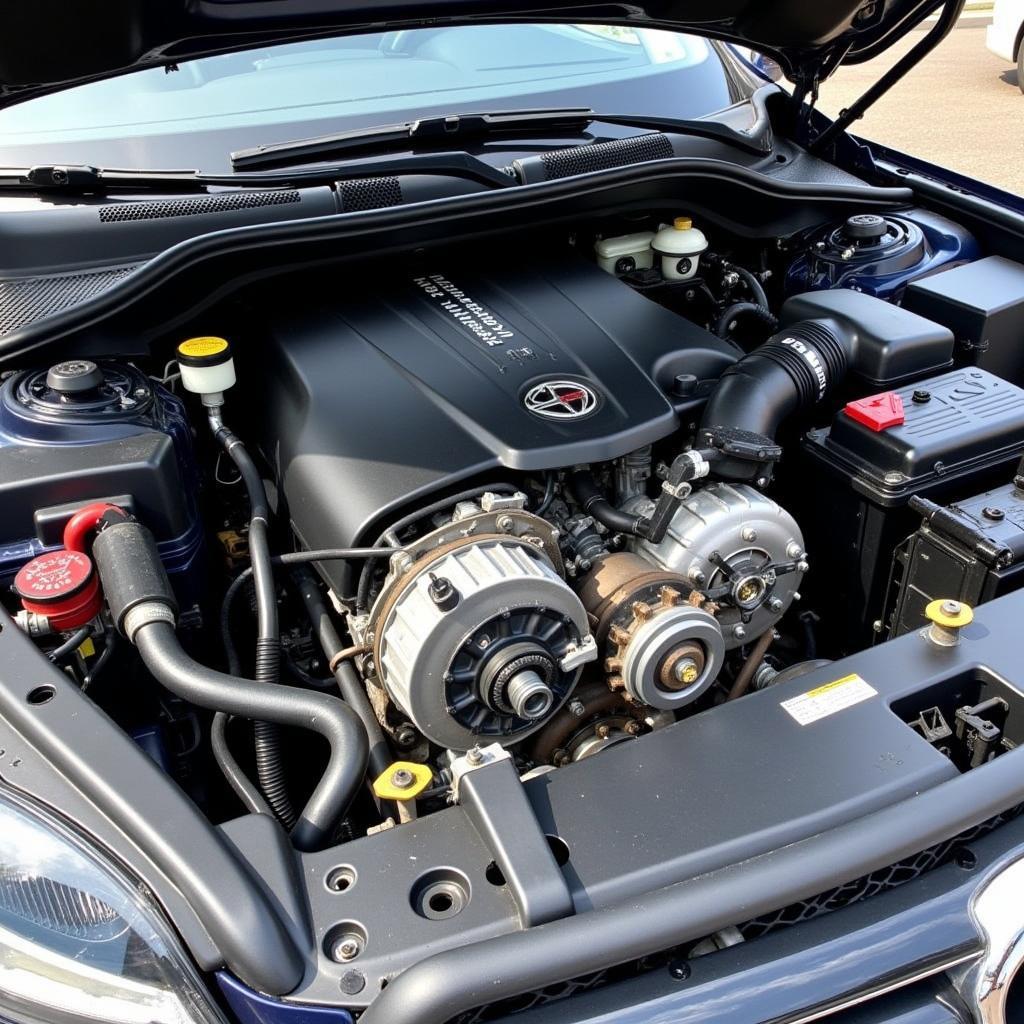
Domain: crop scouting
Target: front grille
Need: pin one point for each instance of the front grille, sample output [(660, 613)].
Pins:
[(23, 300), (192, 206), (883, 880)]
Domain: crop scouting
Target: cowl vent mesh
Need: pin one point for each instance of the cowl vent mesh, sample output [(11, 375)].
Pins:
[(191, 206)]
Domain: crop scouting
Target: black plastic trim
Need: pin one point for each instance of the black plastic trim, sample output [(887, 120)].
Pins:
[(441, 221)]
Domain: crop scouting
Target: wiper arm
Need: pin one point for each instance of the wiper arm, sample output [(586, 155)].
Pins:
[(431, 131), (445, 129), (86, 179)]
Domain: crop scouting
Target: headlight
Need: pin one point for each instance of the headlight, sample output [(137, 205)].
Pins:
[(79, 941)]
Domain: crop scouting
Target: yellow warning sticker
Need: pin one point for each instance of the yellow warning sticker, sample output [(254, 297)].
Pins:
[(826, 700)]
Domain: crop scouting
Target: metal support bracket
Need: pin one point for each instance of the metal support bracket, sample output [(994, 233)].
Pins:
[(487, 786)]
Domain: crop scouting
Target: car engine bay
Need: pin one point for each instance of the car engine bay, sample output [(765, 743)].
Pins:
[(532, 505)]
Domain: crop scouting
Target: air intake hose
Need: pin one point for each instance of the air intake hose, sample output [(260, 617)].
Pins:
[(792, 371)]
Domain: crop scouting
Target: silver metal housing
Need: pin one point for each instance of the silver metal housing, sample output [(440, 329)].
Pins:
[(749, 532), (418, 641), (655, 640)]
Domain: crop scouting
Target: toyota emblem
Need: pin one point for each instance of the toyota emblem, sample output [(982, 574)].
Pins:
[(561, 400)]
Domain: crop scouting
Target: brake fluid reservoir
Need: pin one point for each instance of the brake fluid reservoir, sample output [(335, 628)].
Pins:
[(679, 245)]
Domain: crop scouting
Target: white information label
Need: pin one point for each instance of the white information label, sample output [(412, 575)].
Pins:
[(826, 700)]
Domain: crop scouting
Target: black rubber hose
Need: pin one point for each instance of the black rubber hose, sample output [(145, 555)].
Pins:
[(753, 284), (72, 643), (725, 324), (269, 763), (348, 681), (165, 658), (288, 558), (793, 370), (239, 782), (594, 503)]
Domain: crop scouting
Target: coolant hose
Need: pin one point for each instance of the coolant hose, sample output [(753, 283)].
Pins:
[(348, 682), (165, 658), (793, 370), (723, 326), (249, 795), (593, 502), (266, 735), (752, 283)]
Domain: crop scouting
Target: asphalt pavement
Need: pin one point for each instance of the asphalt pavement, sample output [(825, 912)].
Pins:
[(960, 107)]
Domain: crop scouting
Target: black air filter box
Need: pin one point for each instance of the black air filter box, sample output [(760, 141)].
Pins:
[(890, 345), (982, 303)]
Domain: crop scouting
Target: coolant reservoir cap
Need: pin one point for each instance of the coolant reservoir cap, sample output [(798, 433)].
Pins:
[(205, 351), (61, 585), (74, 376), (54, 576)]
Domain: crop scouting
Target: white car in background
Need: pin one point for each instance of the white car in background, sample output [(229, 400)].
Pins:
[(1005, 36)]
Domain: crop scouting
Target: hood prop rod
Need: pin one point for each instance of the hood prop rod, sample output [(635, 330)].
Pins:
[(947, 19)]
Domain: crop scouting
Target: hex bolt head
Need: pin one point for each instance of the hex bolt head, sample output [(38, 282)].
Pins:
[(951, 607), (347, 949), (402, 778), (686, 671), (749, 534), (739, 632), (505, 523), (775, 604), (577, 708), (793, 550), (474, 756)]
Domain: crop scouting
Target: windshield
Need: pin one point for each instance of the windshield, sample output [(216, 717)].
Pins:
[(193, 114)]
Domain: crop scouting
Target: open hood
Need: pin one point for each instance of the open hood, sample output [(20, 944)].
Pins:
[(45, 48)]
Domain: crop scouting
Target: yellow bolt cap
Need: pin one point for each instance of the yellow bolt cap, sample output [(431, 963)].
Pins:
[(942, 613), (682, 223), (385, 786)]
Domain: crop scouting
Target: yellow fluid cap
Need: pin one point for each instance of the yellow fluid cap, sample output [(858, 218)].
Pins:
[(949, 613), (682, 223), (403, 780), (203, 351)]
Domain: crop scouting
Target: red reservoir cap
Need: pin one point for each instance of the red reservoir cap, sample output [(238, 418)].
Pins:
[(878, 412), (63, 586)]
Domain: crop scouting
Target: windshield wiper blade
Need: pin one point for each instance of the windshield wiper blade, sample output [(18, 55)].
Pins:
[(431, 131), (85, 178), (444, 129)]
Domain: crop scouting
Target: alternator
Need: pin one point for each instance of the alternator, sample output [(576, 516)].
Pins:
[(480, 640)]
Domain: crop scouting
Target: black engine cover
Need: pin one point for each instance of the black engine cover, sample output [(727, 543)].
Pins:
[(378, 392)]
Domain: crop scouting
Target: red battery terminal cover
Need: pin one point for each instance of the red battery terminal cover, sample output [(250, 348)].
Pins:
[(879, 412), (62, 586)]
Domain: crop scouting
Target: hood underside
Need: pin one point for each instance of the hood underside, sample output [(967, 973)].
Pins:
[(90, 39)]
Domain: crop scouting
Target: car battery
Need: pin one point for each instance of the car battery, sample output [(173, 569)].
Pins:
[(943, 438), (972, 550)]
